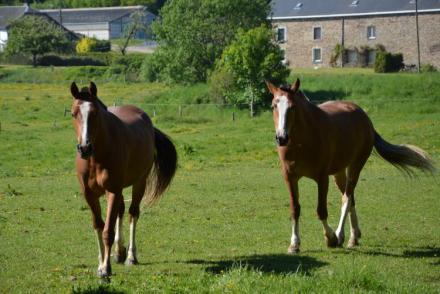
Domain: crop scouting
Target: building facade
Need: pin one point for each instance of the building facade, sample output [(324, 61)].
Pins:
[(8, 14), (103, 23), (311, 31)]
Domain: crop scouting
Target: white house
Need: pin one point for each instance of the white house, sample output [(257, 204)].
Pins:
[(8, 14), (103, 23)]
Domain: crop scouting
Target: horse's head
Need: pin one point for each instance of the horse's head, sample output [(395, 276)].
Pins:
[(85, 109), (283, 105)]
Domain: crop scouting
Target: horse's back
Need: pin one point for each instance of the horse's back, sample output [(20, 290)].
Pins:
[(130, 115)]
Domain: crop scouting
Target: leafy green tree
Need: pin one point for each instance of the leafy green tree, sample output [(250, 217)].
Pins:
[(137, 24), (36, 35), (193, 33), (252, 58)]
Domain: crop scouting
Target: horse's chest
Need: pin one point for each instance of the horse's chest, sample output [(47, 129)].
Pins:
[(98, 179), (299, 159)]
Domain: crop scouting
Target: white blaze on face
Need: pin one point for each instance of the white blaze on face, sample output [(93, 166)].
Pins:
[(85, 110), (282, 106)]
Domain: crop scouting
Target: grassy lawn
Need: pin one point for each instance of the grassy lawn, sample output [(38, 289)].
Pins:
[(224, 224)]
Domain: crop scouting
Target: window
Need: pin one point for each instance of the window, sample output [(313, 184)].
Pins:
[(352, 57), (281, 34), (317, 33), (371, 57), (371, 32), (316, 55)]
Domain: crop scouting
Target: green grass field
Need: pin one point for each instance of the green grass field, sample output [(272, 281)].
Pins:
[(223, 226)]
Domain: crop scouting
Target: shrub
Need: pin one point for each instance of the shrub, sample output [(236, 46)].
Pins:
[(56, 60), (388, 62), (126, 67), (428, 68), (223, 88), (86, 45)]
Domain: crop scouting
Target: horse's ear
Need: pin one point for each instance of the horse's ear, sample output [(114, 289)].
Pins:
[(93, 90), (295, 87), (74, 90), (271, 87)]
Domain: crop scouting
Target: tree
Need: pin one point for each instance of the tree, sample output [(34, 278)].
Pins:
[(252, 58), (35, 35), (136, 24), (193, 33)]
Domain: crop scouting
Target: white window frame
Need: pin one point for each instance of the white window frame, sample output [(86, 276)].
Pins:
[(284, 35), (371, 29), (314, 60), (320, 33)]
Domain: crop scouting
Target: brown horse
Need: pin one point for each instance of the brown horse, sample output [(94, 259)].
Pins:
[(118, 147), (334, 138)]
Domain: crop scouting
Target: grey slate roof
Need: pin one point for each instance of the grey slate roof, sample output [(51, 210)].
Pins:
[(11, 13), (285, 9), (90, 15)]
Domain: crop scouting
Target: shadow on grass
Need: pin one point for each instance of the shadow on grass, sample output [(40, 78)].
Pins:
[(420, 252), (101, 289), (278, 264)]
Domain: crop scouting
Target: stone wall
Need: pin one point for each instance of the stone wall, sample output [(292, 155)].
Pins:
[(396, 32)]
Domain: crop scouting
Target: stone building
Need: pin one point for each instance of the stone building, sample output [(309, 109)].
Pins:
[(311, 31)]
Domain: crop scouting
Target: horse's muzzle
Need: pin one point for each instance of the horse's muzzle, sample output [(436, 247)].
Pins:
[(85, 151), (282, 141)]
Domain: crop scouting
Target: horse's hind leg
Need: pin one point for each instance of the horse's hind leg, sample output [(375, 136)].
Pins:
[(120, 251), (341, 182), (134, 211), (353, 173)]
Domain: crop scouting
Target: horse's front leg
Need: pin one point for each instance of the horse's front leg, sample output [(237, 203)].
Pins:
[(98, 223), (295, 210), (329, 234), (108, 234)]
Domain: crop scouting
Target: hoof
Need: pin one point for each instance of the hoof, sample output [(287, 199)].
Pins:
[(120, 256), (104, 272), (352, 243), (293, 249), (131, 261), (331, 241), (341, 240)]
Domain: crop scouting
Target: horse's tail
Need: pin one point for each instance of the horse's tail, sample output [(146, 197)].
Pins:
[(164, 167), (404, 157)]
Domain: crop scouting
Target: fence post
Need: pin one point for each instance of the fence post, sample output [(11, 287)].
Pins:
[(233, 116), (180, 110), (154, 111)]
